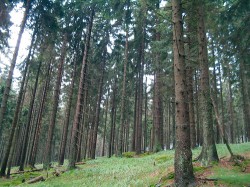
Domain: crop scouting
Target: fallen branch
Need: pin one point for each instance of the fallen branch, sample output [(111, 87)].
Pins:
[(21, 172), (206, 179), (36, 179)]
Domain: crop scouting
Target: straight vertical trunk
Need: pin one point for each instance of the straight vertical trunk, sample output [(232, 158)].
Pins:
[(67, 118), (135, 118), (197, 110), (245, 98), (183, 156), (98, 105), (27, 130), (32, 159), (47, 153), (121, 138), (80, 98), (145, 119), (158, 102), (231, 110), (218, 136), (113, 117), (209, 152), (105, 124), (221, 100), (190, 82)]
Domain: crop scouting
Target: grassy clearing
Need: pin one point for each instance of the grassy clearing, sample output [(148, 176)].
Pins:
[(145, 170)]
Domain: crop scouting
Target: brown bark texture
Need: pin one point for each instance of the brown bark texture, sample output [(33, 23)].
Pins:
[(47, 153), (80, 96), (209, 152), (183, 156)]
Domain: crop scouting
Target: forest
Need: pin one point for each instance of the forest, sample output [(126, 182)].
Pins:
[(119, 84)]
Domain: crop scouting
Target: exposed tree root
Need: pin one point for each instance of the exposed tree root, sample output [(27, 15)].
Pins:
[(237, 160)]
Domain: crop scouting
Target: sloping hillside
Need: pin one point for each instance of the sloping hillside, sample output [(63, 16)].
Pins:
[(144, 170)]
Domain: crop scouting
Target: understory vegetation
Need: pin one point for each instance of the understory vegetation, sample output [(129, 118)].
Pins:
[(141, 170)]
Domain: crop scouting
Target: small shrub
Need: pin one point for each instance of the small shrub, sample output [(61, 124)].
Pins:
[(128, 154), (163, 158), (146, 154)]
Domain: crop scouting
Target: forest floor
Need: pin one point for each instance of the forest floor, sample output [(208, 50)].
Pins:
[(143, 170)]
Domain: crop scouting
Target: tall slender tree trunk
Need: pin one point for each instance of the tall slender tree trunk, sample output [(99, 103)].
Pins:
[(209, 152), (168, 134), (183, 156), (135, 118), (86, 129), (123, 97), (80, 97), (140, 61), (12, 66), (98, 105), (17, 111), (158, 115), (67, 118), (218, 135), (83, 139), (190, 82), (221, 100), (105, 124), (158, 102), (27, 129), (32, 159), (197, 109), (113, 117), (145, 119), (231, 110), (47, 152), (245, 98)]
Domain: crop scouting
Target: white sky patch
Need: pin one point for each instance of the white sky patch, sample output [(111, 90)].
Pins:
[(163, 4), (5, 59)]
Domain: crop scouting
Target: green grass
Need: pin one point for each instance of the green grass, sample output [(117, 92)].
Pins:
[(145, 170), (231, 177)]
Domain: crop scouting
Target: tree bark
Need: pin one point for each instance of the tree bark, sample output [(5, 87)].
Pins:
[(32, 159), (190, 82), (158, 105), (98, 104), (123, 97), (47, 153), (113, 117), (105, 124), (27, 129), (209, 152), (183, 156), (245, 98), (80, 97), (67, 118)]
